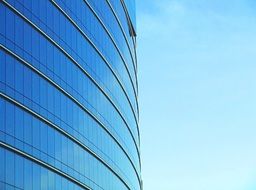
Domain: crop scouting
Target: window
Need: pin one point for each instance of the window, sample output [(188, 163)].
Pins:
[(9, 167)]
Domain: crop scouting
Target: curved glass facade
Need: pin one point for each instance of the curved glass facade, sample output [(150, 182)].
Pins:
[(68, 95)]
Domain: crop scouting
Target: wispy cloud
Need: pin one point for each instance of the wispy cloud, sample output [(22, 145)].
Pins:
[(197, 95)]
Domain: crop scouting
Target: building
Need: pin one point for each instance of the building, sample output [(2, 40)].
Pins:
[(68, 95)]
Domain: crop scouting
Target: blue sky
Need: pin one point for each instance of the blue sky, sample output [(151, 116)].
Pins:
[(197, 82)]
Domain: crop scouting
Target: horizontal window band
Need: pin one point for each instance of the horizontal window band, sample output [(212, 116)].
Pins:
[(65, 134), (112, 39), (122, 29), (130, 24), (72, 59), (119, 22), (116, 46), (101, 55), (45, 165), (74, 100)]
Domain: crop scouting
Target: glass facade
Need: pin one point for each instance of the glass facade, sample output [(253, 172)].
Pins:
[(68, 95)]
